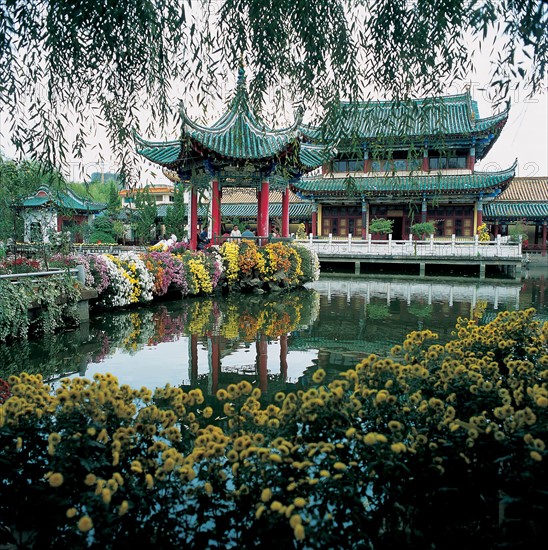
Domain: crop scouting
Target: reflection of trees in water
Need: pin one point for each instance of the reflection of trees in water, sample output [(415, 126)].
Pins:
[(237, 317), (51, 356)]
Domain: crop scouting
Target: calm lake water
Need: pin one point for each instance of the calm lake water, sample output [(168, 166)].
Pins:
[(275, 341)]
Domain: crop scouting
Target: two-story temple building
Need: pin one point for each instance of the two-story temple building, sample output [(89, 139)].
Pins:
[(408, 162)]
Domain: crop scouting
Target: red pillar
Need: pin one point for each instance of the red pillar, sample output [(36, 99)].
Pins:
[(215, 363), (258, 212), (425, 166), (285, 212), (544, 225), (283, 357), (193, 225), (262, 357), (480, 212), (262, 230), (314, 220), (215, 212), (472, 158)]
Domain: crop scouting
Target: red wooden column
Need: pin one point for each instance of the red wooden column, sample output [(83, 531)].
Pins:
[(544, 225), (262, 230), (425, 166), (262, 358), (283, 357), (215, 211), (193, 225), (365, 220), (285, 212), (314, 220), (479, 212), (472, 158)]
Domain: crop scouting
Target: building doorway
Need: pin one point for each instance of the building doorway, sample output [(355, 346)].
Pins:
[(397, 228)]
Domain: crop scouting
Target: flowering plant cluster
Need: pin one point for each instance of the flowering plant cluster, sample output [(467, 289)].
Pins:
[(483, 233), (119, 291), (136, 272), (167, 270), (431, 444), (19, 265)]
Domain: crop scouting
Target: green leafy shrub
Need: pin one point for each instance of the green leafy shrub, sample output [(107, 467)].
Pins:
[(42, 306), (423, 229), (381, 225)]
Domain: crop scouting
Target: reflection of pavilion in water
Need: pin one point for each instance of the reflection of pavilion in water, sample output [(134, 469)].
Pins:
[(219, 347)]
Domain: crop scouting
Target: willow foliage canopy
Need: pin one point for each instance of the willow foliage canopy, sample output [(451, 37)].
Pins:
[(78, 63)]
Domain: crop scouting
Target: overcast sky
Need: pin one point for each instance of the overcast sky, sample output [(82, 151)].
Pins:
[(524, 137)]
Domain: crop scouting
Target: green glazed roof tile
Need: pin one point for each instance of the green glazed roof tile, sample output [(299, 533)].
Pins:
[(376, 185), (69, 200), (247, 210), (516, 210), (449, 115), (238, 134)]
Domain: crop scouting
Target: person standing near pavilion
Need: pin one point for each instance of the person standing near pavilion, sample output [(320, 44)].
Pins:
[(235, 234), (248, 233)]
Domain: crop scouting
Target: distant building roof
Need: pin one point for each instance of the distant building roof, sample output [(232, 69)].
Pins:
[(523, 199), (61, 199)]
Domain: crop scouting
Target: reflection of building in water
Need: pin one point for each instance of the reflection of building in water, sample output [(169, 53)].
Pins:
[(219, 347), (431, 292)]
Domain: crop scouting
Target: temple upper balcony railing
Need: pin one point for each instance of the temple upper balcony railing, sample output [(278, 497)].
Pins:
[(431, 248)]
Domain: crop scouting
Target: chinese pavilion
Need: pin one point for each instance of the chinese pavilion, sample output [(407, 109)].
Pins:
[(49, 210), (408, 162), (237, 151)]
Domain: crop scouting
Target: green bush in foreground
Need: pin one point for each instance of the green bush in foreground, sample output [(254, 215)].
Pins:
[(433, 447)]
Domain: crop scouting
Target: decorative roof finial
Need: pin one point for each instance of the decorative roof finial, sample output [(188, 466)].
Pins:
[(241, 73)]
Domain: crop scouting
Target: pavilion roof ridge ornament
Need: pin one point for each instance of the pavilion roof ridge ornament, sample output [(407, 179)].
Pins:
[(239, 113)]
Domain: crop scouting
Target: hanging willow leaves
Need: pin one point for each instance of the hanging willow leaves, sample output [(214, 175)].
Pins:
[(68, 66)]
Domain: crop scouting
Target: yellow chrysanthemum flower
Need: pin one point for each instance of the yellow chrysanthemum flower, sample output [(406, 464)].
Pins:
[(56, 479), (85, 524)]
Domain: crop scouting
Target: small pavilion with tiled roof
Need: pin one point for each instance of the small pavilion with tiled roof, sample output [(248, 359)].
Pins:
[(408, 161), (237, 151), (55, 210), (525, 201)]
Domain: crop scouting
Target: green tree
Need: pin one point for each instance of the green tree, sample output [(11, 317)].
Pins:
[(145, 214), (17, 181), (114, 201), (126, 56), (102, 230), (176, 217)]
